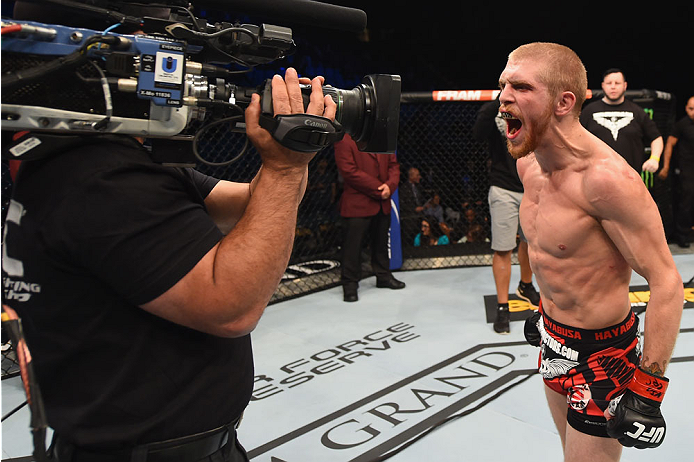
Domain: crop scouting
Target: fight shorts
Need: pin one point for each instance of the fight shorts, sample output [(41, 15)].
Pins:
[(589, 367)]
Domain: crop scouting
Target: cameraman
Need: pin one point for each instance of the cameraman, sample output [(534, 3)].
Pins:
[(135, 305)]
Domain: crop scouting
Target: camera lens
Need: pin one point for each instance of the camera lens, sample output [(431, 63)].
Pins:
[(369, 112), (350, 108)]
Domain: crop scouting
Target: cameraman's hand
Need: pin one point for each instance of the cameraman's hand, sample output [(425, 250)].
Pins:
[(286, 99)]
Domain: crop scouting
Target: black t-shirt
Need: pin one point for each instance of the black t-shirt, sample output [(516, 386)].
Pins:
[(684, 132), (491, 128), (625, 127), (91, 234)]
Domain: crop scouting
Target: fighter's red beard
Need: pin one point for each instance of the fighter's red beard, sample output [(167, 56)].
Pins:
[(532, 137)]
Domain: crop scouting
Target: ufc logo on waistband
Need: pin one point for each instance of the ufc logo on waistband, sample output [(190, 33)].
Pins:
[(654, 435)]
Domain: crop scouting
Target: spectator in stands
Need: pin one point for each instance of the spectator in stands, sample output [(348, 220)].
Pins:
[(474, 234), (479, 207), (447, 230), (472, 221), (411, 195), (623, 124), (430, 234), (412, 200), (369, 181), (681, 141), (505, 194), (433, 208)]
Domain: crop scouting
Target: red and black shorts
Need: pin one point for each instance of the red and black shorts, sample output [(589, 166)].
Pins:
[(590, 367)]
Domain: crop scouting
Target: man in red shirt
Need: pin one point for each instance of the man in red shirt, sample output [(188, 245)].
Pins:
[(369, 181)]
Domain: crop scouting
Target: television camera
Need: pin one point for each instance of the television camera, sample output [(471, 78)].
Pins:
[(173, 80)]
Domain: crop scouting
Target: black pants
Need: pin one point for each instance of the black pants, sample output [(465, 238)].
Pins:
[(685, 205), (376, 227)]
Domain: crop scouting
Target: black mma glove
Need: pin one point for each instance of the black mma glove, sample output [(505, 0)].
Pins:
[(530, 330), (637, 419)]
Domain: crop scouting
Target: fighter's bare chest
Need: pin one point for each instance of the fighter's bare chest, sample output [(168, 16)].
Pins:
[(554, 217)]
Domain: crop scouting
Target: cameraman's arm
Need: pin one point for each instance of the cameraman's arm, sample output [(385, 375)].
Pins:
[(227, 290), (227, 201)]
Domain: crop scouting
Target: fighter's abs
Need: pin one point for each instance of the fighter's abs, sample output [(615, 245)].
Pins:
[(574, 260)]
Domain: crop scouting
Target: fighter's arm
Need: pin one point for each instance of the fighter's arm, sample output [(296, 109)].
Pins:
[(227, 290), (631, 219)]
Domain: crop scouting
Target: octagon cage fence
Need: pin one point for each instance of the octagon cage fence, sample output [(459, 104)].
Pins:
[(435, 137)]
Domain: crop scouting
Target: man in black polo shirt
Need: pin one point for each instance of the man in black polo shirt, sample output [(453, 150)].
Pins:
[(138, 286)]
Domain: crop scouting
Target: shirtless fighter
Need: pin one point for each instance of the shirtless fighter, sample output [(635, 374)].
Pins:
[(585, 237)]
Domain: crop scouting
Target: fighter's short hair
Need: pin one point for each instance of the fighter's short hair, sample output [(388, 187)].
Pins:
[(561, 69)]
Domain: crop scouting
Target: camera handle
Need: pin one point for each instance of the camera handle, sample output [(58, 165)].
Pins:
[(298, 132), (302, 132)]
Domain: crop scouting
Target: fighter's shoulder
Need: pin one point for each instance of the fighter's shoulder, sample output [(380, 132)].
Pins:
[(610, 182)]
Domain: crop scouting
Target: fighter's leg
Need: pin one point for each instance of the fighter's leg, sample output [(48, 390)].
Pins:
[(581, 447), (557, 407)]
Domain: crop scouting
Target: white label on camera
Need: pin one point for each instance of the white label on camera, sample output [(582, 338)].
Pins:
[(169, 68), (24, 146)]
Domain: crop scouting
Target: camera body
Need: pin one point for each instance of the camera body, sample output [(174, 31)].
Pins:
[(156, 86), (170, 83)]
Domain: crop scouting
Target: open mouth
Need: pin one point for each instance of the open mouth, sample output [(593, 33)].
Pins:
[(513, 124)]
